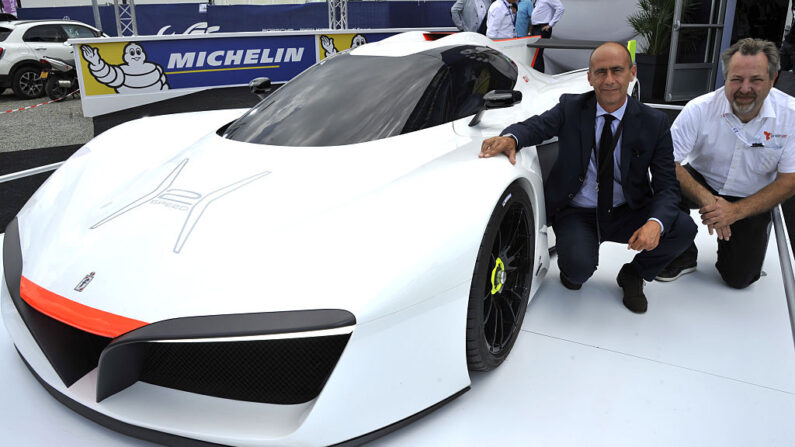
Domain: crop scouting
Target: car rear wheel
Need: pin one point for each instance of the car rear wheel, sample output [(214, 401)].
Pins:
[(27, 83), (501, 281)]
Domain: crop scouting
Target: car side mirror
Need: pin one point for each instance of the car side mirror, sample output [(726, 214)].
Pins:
[(497, 99), (260, 87)]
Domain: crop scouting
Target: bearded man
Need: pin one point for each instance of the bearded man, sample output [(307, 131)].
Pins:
[(739, 147)]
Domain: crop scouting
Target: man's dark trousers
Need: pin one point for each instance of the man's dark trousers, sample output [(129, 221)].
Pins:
[(536, 31), (740, 258), (578, 235)]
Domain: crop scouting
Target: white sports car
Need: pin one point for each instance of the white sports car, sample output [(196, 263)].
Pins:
[(320, 269)]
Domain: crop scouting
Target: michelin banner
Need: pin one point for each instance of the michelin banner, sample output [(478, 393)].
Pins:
[(119, 73), (147, 66)]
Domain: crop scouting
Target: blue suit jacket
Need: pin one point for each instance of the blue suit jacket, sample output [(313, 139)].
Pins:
[(646, 147)]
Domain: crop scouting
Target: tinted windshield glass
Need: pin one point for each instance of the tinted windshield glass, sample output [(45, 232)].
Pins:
[(343, 100), (4, 32), (352, 99)]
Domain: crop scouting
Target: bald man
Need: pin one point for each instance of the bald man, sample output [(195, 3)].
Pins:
[(599, 188)]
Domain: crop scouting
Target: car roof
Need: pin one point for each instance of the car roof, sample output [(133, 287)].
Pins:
[(18, 23)]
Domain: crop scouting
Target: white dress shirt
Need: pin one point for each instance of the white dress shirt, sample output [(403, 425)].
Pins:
[(735, 158), (586, 197), (500, 21), (547, 11)]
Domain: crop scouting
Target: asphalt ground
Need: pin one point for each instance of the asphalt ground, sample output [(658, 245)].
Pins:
[(58, 124)]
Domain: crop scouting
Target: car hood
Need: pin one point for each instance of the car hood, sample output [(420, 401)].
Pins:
[(169, 228)]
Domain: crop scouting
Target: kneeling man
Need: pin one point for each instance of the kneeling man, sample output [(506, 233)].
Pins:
[(740, 148), (599, 188)]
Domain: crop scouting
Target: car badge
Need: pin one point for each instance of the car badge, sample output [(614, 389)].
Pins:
[(526, 79), (84, 282)]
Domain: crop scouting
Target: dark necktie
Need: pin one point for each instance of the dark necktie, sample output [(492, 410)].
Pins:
[(605, 169)]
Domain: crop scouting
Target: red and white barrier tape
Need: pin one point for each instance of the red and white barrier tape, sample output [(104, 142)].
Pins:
[(42, 104)]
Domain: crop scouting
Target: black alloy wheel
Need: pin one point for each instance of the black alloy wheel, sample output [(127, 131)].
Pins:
[(501, 281), (27, 83)]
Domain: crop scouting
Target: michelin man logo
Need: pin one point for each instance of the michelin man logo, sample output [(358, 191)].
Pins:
[(135, 75), (330, 49)]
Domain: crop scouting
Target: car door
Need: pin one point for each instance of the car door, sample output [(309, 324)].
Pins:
[(48, 40)]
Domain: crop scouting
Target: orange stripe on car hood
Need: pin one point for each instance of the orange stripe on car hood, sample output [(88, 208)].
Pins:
[(74, 314)]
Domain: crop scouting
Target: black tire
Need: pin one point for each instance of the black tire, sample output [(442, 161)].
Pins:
[(501, 281), (27, 84), (53, 90)]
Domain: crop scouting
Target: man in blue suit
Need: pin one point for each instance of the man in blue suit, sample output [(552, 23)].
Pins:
[(599, 188)]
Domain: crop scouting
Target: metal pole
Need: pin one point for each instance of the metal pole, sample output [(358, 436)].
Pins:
[(785, 259), (118, 21), (97, 20), (29, 172), (134, 18)]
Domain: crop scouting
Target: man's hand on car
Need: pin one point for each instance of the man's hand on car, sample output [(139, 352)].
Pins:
[(495, 145)]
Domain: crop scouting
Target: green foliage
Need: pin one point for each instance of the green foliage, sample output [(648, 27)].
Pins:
[(654, 22)]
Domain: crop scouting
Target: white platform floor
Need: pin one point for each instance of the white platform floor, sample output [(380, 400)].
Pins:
[(706, 366)]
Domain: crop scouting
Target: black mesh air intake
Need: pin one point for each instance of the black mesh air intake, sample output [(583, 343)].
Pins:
[(282, 371), (237, 356)]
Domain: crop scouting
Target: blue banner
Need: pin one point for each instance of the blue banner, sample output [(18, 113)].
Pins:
[(159, 65), (190, 18)]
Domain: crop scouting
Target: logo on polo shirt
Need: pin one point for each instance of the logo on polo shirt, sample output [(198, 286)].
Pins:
[(769, 135)]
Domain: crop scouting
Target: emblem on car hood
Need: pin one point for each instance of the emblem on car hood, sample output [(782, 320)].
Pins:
[(84, 282)]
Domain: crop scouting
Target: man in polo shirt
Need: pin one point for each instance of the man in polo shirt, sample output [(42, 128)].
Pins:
[(739, 147)]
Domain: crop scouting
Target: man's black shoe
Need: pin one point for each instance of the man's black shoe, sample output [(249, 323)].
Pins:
[(675, 270), (568, 284), (632, 283)]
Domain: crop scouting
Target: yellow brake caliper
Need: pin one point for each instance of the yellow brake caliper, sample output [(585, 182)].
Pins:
[(497, 276)]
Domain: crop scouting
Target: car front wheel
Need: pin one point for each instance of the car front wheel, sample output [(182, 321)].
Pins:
[(27, 83), (501, 281)]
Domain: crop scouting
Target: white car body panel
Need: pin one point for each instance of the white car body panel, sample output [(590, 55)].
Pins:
[(388, 230)]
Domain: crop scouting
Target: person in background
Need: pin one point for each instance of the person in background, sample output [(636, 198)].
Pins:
[(739, 146), (470, 15), (546, 14), (523, 14), (599, 188), (788, 49), (501, 21)]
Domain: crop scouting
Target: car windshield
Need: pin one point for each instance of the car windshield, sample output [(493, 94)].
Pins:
[(4, 32), (350, 99)]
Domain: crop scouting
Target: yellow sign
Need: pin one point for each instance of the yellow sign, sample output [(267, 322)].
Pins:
[(112, 53), (330, 44), (119, 67)]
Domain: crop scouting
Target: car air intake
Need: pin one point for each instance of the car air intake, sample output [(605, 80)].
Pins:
[(281, 371)]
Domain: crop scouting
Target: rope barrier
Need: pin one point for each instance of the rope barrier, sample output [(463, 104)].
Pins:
[(42, 104)]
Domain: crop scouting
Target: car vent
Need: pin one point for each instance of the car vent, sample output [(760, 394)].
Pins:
[(281, 371)]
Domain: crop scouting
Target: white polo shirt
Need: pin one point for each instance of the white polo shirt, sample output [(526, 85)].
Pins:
[(735, 158)]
